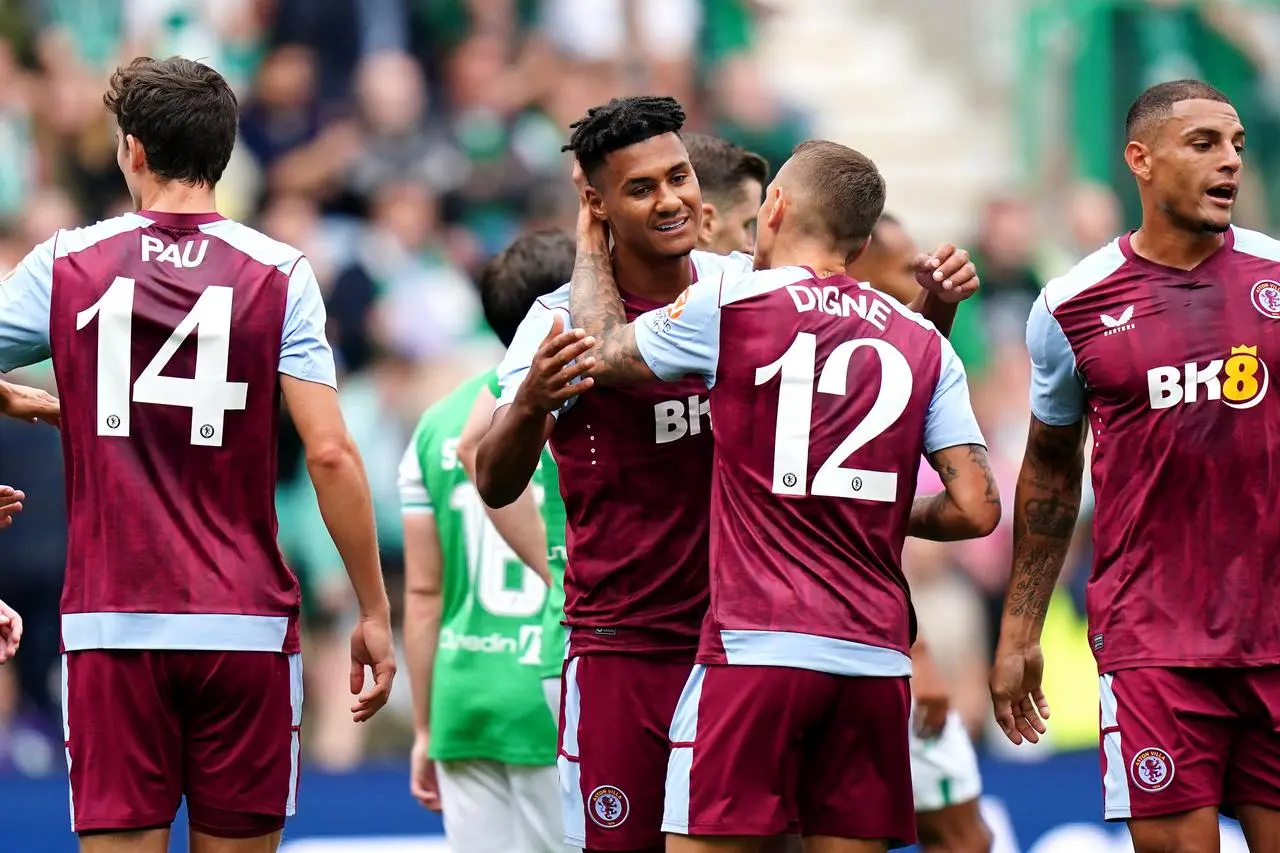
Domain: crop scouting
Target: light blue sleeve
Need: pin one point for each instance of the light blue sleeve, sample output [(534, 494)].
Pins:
[(950, 421), (304, 349), (1057, 392), (683, 338), (25, 295), (519, 357)]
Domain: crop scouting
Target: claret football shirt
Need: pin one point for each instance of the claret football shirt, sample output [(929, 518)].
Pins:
[(168, 333)]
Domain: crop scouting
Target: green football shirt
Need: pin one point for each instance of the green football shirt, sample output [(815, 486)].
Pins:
[(547, 492), (486, 699), (553, 515)]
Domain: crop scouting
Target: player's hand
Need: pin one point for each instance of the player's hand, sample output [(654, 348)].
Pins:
[(555, 365), (947, 273), (422, 775), (1016, 695), (372, 647), (10, 632), (29, 404), (10, 505), (929, 690), (593, 232), (579, 177)]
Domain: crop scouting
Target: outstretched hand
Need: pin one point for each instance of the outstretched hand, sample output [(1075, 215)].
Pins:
[(29, 404)]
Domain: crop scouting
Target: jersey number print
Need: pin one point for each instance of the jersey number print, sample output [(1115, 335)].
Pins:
[(797, 367), (503, 585), (209, 395)]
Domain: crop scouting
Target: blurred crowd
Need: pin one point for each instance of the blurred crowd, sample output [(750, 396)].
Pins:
[(400, 144)]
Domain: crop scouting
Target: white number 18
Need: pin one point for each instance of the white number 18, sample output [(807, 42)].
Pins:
[(209, 395), (795, 413)]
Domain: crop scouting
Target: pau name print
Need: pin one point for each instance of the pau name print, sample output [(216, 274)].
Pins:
[(190, 256)]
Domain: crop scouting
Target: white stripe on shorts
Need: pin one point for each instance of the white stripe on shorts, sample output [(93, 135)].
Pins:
[(684, 731), (1115, 781), (66, 742), (295, 734), (572, 808)]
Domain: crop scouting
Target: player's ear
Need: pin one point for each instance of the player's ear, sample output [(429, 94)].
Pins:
[(777, 210), (136, 154), (1138, 157), (708, 223), (596, 203)]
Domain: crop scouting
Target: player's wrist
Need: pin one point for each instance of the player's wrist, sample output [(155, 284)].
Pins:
[(525, 408), (592, 237), (1017, 634), (376, 611)]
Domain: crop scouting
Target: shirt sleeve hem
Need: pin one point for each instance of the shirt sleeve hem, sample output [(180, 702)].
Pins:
[(955, 441), (1051, 419), (307, 376)]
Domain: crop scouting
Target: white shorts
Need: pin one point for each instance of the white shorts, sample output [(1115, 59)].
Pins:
[(497, 808), (551, 689), (944, 770)]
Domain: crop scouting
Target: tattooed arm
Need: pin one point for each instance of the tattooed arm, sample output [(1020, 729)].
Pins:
[(969, 508), (1046, 506), (596, 308), (1044, 518)]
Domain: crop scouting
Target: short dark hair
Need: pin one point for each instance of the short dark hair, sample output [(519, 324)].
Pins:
[(722, 167), (620, 123), (844, 189), (534, 265), (1157, 103), (182, 112)]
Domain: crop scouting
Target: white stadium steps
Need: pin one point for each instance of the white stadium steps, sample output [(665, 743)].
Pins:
[(939, 130)]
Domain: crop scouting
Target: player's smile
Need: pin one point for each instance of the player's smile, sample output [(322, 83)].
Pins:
[(677, 225)]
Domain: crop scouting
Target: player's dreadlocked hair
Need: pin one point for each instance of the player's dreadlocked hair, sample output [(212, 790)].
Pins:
[(619, 123)]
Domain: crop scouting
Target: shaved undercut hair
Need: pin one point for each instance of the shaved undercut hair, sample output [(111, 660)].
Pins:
[(1156, 104), (843, 192)]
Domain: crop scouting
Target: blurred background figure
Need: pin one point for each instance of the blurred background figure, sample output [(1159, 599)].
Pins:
[(403, 143)]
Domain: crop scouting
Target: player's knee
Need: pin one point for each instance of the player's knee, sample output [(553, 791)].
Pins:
[(1172, 845), (977, 839), (223, 823), (1164, 838), (966, 835)]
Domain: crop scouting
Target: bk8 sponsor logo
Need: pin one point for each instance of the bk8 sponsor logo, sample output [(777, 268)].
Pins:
[(1239, 381), (674, 419)]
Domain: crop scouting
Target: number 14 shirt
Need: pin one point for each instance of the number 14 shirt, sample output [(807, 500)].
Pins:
[(824, 395), (168, 333)]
